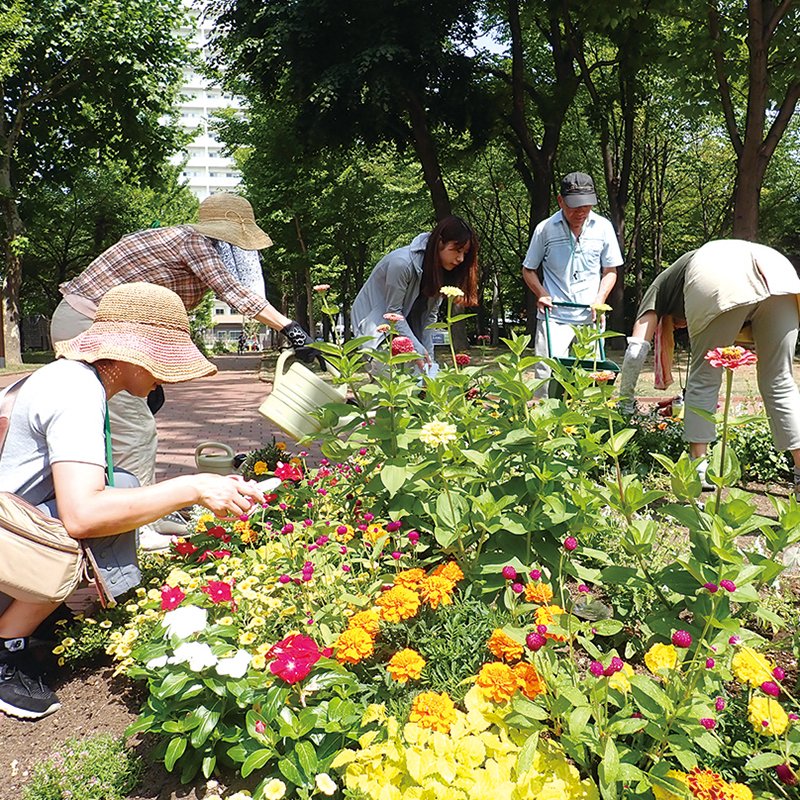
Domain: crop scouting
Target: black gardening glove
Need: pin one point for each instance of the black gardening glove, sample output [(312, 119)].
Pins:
[(300, 340)]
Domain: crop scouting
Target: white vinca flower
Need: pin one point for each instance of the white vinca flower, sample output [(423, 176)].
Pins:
[(235, 666), (184, 621), (197, 655), (451, 291), (156, 663), (437, 433)]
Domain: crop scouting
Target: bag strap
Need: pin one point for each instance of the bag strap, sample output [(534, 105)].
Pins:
[(7, 407)]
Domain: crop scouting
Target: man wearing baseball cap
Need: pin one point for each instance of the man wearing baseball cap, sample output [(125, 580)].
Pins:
[(578, 254)]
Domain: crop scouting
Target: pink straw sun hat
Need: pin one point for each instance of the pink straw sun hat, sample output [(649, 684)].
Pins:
[(142, 324)]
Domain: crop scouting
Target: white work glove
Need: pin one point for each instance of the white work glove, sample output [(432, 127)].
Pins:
[(635, 356)]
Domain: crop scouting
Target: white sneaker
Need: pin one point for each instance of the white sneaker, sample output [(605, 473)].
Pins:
[(151, 541), (170, 525), (702, 469)]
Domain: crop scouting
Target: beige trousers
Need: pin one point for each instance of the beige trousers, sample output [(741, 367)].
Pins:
[(133, 427), (775, 324)]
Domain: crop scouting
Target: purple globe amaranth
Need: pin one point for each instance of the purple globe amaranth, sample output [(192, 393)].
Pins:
[(597, 669), (711, 587), (771, 688), (719, 704), (535, 641), (509, 573), (682, 639), (786, 775), (570, 543), (778, 673), (729, 586), (615, 665)]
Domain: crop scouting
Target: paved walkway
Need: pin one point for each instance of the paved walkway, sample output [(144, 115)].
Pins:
[(222, 408)]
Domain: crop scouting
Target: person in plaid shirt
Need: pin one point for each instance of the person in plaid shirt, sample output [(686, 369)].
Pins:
[(219, 253)]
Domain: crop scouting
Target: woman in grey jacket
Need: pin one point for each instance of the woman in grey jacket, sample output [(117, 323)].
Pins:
[(408, 282)]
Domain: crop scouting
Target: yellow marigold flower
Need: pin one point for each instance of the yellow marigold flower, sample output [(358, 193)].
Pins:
[(751, 667), (502, 646), (498, 682), (436, 590), (201, 525), (538, 593), (248, 536), (370, 621), (531, 682), (260, 467), (546, 615), (398, 603), (280, 445), (661, 656), (373, 533), (450, 570), (410, 578), (436, 433), (405, 665), (767, 716), (434, 711), (353, 645), (664, 794), (738, 791)]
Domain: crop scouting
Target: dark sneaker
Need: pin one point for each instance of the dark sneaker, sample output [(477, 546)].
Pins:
[(24, 696)]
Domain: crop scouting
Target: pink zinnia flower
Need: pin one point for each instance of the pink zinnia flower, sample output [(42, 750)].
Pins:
[(402, 344), (730, 357), (392, 317), (462, 359), (322, 287)]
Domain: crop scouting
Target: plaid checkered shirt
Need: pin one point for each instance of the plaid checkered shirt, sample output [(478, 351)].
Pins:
[(177, 258)]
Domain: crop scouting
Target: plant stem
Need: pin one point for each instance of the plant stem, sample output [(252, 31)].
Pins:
[(728, 391)]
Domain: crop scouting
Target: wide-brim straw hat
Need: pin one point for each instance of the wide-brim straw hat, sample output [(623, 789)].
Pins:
[(142, 324), (230, 218)]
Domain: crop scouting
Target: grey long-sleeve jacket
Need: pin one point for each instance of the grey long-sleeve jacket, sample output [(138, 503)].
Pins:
[(394, 286)]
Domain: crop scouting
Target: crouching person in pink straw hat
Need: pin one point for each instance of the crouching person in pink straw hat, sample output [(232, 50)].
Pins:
[(55, 457)]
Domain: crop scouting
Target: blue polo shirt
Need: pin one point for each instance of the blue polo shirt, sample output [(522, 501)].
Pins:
[(572, 267)]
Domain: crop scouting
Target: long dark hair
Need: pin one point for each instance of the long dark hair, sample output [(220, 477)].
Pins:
[(465, 275)]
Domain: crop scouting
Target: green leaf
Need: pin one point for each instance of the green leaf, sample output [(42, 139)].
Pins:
[(608, 771), (175, 749), (527, 753), (650, 698), (306, 756), (764, 761), (393, 477), (257, 760), (290, 771)]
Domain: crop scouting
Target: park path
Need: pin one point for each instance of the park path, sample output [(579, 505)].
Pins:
[(221, 408)]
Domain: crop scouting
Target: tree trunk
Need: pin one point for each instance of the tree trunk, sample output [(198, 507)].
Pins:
[(10, 344), (428, 158)]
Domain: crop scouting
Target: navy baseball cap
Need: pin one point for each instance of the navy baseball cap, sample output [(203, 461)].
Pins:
[(577, 189)]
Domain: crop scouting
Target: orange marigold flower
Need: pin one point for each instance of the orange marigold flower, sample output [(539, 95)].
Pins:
[(398, 603), (373, 533), (497, 682), (546, 615), (248, 535), (707, 785), (538, 593), (369, 621), (353, 645), (531, 682), (502, 646), (450, 570), (405, 665), (432, 710), (436, 590), (410, 578)]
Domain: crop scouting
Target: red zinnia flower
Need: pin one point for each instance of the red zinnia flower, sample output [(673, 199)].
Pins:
[(462, 359), (731, 357), (184, 548), (171, 597)]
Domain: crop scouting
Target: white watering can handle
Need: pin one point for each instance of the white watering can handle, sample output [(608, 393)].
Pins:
[(286, 355), (227, 449)]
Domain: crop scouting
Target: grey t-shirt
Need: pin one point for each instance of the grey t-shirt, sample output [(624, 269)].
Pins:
[(58, 415)]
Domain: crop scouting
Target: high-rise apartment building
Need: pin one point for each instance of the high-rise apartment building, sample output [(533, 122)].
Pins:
[(207, 171)]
